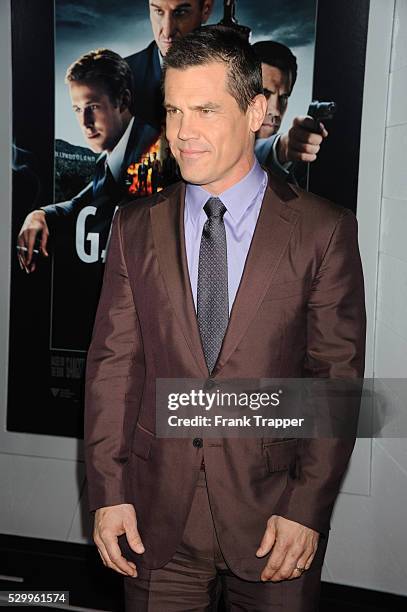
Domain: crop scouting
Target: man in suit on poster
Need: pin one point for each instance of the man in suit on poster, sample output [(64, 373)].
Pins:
[(101, 88), (301, 142), (231, 273), (171, 19)]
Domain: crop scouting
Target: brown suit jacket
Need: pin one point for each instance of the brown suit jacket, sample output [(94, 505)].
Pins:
[(299, 311)]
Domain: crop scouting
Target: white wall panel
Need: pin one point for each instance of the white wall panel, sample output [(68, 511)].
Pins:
[(393, 238), (391, 353), (367, 547), (82, 523), (395, 173), (397, 111), (399, 54), (392, 295), (38, 496)]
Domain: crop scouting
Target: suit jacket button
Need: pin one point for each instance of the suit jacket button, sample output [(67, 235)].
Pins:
[(209, 384), (197, 442)]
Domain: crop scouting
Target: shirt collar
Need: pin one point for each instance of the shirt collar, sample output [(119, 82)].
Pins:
[(237, 198), (116, 157)]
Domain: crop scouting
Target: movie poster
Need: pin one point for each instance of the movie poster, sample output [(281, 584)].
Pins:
[(62, 165)]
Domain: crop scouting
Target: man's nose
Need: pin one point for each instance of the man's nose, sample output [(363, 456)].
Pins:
[(86, 118), (168, 26), (273, 107), (187, 128)]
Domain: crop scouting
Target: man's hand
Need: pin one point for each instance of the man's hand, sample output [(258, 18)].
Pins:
[(110, 523), (294, 546), (301, 143), (34, 224)]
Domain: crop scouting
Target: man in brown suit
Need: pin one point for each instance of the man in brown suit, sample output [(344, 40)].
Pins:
[(229, 274)]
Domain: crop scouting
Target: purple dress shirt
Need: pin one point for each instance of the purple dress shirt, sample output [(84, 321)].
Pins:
[(243, 202)]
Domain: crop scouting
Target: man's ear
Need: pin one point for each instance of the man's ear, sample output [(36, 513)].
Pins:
[(207, 7), (257, 111), (125, 102)]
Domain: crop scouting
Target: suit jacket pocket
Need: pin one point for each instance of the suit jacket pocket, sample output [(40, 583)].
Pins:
[(281, 455), (142, 442)]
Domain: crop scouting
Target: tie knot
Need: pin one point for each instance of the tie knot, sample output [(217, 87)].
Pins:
[(214, 208)]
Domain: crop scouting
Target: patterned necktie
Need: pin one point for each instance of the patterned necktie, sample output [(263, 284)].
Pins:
[(212, 300)]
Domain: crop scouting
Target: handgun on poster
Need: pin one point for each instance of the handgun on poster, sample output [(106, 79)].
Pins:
[(321, 112)]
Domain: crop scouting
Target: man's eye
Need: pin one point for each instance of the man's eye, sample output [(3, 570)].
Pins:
[(159, 12), (206, 111), (180, 13), (172, 111), (93, 107)]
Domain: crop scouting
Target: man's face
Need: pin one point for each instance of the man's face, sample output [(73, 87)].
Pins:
[(100, 120), (173, 18), (277, 88), (209, 135)]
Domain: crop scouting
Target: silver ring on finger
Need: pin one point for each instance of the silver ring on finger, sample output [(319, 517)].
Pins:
[(300, 569)]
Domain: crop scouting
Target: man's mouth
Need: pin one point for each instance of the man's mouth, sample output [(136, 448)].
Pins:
[(191, 153)]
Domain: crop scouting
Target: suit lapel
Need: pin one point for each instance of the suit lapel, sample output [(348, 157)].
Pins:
[(273, 231), (167, 219), (157, 70)]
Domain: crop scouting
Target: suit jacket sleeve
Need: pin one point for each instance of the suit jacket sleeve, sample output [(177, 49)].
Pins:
[(114, 381), (265, 150), (56, 214), (335, 349)]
